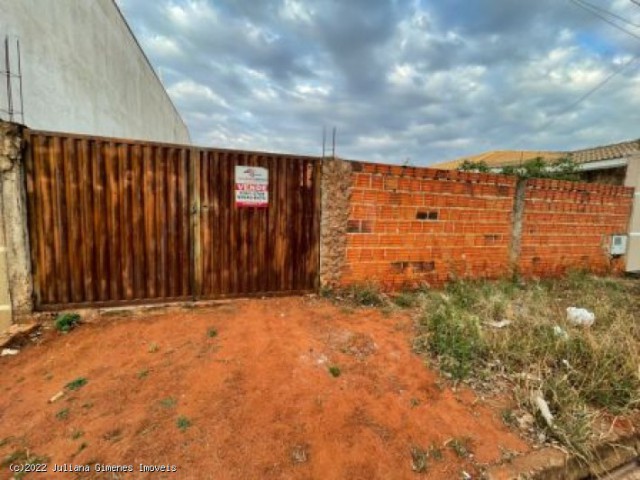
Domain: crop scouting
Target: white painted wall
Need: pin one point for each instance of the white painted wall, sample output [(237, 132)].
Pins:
[(84, 72)]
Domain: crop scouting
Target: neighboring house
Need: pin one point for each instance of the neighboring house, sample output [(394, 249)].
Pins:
[(83, 71), (615, 164)]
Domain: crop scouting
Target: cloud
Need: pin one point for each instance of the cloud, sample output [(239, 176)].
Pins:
[(400, 79)]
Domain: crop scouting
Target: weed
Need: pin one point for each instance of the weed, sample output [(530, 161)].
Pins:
[(23, 457), (82, 446), (415, 402), (63, 414), (580, 373), (461, 446), (153, 347), (168, 402), (76, 434), (334, 370), (405, 300), (87, 405), (419, 459), (455, 338), (212, 332), (508, 417), (365, 295), (183, 423), (142, 374), (65, 322), (76, 384), (435, 452)]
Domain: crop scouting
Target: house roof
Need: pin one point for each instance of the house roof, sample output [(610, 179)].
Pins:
[(503, 158)]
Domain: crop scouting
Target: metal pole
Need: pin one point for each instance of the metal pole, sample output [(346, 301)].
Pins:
[(334, 142), (8, 72), (20, 80)]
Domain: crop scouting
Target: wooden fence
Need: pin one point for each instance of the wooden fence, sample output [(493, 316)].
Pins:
[(116, 221)]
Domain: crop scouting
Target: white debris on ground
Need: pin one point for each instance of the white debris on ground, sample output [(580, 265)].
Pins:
[(580, 316), (9, 351), (560, 332), (543, 407), (500, 324)]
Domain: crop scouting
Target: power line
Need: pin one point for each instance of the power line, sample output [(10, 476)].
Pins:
[(586, 95), (610, 13), (602, 17)]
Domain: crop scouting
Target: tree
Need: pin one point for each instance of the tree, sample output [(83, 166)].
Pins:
[(474, 166), (559, 169)]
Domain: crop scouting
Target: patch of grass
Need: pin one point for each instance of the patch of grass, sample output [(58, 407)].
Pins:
[(335, 371), (183, 423), (461, 446), (508, 417), (212, 332), (76, 384), (405, 300), (419, 459), (168, 402), (365, 295), (142, 374), (153, 347), (24, 457), (76, 434), (65, 322), (63, 414), (582, 373)]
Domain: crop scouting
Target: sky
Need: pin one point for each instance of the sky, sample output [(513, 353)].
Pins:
[(403, 81)]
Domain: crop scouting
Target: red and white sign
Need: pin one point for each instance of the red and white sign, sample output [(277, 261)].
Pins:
[(252, 186)]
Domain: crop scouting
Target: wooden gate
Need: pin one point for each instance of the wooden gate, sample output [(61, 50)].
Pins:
[(116, 221)]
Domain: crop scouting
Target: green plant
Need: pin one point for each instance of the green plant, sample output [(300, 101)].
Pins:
[(334, 370), (168, 402), (419, 459), (143, 373), (461, 446), (66, 321), (474, 166), (76, 434), (76, 384), (405, 300), (183, 423), (559, 169), (212, 332), (63, 414), (366, 295)]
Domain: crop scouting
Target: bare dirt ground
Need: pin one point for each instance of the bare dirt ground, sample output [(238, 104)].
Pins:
[(256, 400)]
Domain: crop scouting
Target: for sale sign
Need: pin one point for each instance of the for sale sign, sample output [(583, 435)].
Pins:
[(252, 186)]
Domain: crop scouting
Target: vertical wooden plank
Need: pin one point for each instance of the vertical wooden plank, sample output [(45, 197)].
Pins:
[(86, 199), (126, 221), (208, 237), (215, 216), (170, 225), (115, 207), (34, 217), (100, 218), (195, 163), (72, 219), (161, 221), (137, 228), (149, 195), (225, 222), (184, 191), (58, 279)]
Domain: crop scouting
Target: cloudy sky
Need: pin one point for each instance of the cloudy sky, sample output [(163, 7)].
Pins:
[(413, 81)]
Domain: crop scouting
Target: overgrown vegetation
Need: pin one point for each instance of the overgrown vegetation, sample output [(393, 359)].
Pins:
[(559, 169), (480, 331), (65, 322)]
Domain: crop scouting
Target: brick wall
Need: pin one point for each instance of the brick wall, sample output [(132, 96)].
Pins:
[(408, 226), (569, 225)]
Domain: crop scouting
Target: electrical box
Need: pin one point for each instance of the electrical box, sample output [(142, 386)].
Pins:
[(618, 244)]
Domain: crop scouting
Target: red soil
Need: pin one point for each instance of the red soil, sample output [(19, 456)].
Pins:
[(259, 397)]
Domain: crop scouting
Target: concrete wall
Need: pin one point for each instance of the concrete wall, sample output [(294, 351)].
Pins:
[(84, 72), (633, 250)]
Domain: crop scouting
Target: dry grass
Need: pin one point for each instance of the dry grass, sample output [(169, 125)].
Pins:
[(580, 373)]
